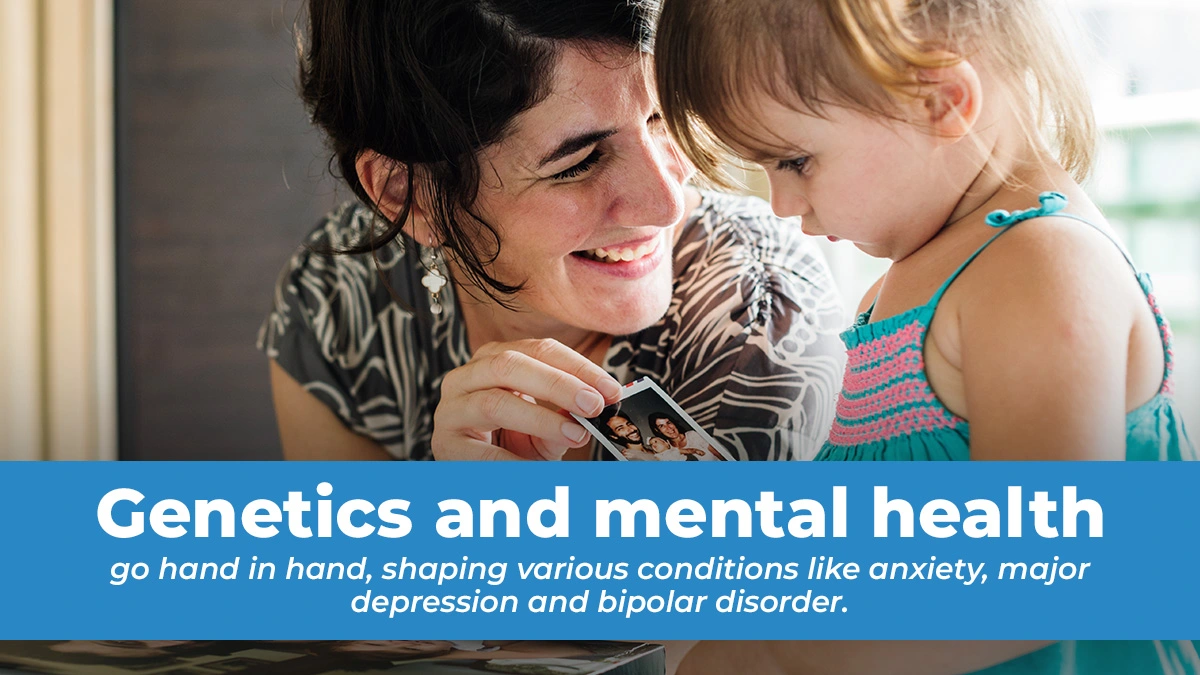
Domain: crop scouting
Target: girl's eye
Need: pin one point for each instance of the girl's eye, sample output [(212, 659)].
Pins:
[(796, 165), (580, 168)]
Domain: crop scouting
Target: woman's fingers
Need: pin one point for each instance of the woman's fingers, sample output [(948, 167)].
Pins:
[(531, 447), (498, 409), (557, 355), (472, 449), (491, 404), (517, 371)]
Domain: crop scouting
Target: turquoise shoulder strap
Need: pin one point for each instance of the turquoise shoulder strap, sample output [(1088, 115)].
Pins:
[(1052, 203)]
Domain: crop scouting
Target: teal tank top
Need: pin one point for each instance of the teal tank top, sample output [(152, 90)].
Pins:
[(888, 411)]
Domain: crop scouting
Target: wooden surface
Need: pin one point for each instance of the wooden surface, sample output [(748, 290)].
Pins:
[(219, 177)]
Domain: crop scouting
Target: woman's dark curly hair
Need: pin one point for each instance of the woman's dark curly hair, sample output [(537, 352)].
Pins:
[(433, 82)]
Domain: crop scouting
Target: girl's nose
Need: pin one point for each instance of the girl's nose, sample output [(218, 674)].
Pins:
[(786, 200)]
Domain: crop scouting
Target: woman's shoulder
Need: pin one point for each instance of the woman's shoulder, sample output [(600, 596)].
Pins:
[(351, 224), (336, 296), (747, 225), (323, 269), (347, 224), (749, 347)]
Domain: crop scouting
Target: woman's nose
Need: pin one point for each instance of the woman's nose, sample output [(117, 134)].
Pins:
[(652, 185)]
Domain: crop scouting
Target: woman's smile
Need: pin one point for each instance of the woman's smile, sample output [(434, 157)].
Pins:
[(629, 260)]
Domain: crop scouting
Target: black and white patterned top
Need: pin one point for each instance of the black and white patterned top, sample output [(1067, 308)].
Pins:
[(749, 346)]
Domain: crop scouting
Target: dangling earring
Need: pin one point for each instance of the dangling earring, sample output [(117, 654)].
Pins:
[(433, 281)]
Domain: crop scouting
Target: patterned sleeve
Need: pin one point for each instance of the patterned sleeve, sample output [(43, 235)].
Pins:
[(321, 326), (757, 354)]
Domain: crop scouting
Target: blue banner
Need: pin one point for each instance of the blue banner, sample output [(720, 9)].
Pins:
[(468, 551)]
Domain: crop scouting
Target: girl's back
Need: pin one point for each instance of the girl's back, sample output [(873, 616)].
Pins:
[(905, 394)]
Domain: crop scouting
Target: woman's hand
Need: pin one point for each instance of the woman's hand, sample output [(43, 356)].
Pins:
[(495, 406)]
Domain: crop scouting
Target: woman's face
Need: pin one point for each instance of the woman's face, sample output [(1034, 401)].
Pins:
[(667, 427), (585, 192)]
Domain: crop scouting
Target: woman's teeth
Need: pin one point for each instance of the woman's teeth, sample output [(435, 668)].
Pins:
[(614, 255)]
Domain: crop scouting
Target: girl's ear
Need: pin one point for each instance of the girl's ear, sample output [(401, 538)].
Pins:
[(386, 182), (953, 98)]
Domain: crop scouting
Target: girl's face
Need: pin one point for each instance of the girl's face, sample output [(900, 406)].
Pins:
[(667, 427), (585, 192), (885, 185), (659, 444)]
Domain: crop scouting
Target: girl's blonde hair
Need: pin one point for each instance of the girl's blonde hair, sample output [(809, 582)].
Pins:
[(859, 54)]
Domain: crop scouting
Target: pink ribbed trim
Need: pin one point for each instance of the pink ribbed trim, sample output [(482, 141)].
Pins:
[(886, 400), (906, 423), (887, 346), (892, 367), (909, 365), (1164, 329)]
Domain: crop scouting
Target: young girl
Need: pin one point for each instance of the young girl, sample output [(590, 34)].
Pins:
[(1011, 324)]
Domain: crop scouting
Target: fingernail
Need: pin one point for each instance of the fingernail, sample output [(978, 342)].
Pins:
[(589, 402), (609, 387), (574, 432)]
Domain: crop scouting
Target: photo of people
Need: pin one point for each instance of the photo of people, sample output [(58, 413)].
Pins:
[(647, 426), (410, 657)]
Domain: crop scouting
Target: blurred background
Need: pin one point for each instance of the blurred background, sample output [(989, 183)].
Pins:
[(157, 170)]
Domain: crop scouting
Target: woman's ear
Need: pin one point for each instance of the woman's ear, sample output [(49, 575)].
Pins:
[(386, 183), (952, 100)]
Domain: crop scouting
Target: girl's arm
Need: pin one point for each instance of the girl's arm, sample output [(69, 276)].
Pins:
[(1044, 342)]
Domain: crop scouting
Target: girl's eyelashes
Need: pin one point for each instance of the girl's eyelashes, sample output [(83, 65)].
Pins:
[(795, 165), (580, 168)]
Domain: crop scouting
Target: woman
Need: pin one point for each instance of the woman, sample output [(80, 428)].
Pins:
[(692, 443), (525, 228)]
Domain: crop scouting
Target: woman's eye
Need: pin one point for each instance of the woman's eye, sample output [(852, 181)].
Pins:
[(796, 165), (580, 168)]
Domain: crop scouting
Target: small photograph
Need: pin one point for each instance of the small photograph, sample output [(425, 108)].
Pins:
[(415, 657), (647, 426)]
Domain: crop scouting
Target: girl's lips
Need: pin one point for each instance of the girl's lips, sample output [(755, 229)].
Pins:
[(832, 238)]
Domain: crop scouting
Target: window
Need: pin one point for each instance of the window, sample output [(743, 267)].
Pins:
[(1139, 58)]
